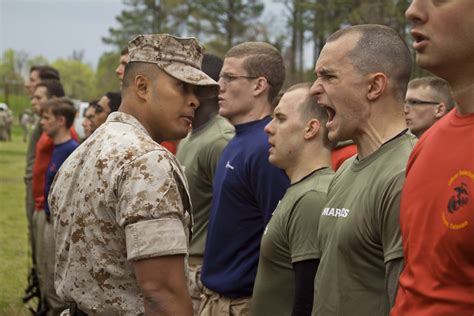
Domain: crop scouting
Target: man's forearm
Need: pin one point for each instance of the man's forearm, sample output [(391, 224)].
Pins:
[(167, 303), (393, 269)]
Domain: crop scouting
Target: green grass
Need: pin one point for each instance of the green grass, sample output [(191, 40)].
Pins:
[(14, 261)]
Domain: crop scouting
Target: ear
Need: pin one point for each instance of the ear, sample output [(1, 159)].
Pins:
[(141, 86), (377, 85), (261, 86), (312, 129), (61, 119), (440, 110)]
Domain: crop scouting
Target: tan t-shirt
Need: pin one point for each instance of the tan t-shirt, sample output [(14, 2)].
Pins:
[(289, 238), (359, 231), (199, 153), (119, 197)]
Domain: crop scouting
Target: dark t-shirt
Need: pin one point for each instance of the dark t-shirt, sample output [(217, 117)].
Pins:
[(60, 154)]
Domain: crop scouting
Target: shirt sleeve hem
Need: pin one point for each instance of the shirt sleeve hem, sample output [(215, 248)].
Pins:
[(157, 237)]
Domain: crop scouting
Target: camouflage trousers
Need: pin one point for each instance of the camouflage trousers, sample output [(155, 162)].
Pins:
[(214, 304), (195, 287)]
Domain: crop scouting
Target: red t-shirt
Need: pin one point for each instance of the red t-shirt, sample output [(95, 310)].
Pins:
[(437, 222), (43, 152), (170, 145), (339, 155)]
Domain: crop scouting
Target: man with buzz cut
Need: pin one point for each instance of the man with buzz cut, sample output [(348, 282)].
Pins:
[(288, 258), (437, 208), (120, 202), (246, 187), (428, 99), (362, 76)]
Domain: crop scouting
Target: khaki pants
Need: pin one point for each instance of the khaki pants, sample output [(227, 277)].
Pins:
[(56, 306), (195, 287), (30, 210), (214, 304)]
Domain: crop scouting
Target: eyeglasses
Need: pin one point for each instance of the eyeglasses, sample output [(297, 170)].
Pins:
[(415, 102), (230, 78), (98, 108)]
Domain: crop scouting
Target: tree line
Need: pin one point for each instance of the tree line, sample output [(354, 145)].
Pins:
[(220, 25)]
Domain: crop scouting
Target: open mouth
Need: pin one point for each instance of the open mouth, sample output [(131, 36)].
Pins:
[(331, 114), (418, 39)]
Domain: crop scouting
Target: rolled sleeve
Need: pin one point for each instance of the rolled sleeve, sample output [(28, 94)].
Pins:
[(154, 238)]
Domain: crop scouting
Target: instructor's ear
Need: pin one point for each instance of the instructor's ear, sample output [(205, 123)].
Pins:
[(140, 85)]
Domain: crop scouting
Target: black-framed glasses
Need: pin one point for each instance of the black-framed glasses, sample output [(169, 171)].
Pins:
[(98, 108), (229, 78), (416, 102)]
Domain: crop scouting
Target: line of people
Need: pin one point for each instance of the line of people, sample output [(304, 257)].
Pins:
[(278, 229)]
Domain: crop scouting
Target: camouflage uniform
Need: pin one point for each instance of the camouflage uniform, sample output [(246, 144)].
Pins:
[(119, 197)]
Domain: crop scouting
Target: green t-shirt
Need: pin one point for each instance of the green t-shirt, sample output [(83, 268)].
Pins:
[(286, 240), (359, 232), (198, 153), (31, 150)]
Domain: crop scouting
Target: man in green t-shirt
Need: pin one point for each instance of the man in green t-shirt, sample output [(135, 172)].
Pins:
[(198, 153), (363, 72), (288, 257)]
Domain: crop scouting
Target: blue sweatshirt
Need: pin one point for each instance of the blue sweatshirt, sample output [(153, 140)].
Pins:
[(246, 190), (60, 154)]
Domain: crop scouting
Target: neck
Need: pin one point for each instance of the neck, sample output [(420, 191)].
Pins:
[(62, 136), (307, 162), (463, 93), (203, 115), (381, 127), (259, 110)]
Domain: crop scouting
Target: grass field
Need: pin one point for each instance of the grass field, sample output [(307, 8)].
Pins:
[(14, 262)]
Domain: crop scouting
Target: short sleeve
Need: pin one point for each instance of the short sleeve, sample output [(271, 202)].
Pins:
[(303, 226), (150, 207), (390, 220)]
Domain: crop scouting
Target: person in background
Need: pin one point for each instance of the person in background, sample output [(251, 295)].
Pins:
[(107, 104), (56, 120), (288, 260), (198, 153), (88, 118), (437, 209), (428, 99)]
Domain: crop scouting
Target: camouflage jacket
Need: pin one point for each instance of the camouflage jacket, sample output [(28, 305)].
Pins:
[(119, 197)]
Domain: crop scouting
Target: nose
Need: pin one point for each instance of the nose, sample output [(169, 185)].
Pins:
[(406, 109), (268, 127), (221, 84), (193, 100), (415, 12), (316, 89)]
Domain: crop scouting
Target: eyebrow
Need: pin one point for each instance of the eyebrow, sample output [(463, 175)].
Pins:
[(324, 72)]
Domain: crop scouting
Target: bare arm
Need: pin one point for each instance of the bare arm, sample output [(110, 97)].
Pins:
[(163, 284), (393, 269)]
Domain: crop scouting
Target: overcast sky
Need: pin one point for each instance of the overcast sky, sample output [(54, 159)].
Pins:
[(55, 28)]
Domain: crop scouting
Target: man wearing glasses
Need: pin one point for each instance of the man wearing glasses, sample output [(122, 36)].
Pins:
[(109, 103), (427, 100), (246, 186)]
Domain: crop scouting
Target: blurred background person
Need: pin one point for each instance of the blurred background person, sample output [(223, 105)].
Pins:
[(427, 100)]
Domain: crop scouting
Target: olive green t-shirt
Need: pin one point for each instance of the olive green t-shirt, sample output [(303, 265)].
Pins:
[(287, 240), (359, 232), (198, 153)]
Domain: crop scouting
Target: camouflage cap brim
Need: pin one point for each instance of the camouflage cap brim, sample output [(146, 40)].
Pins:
[(206, 86)]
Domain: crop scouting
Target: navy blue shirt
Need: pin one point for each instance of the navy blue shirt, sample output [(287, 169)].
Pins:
[(246, 190), (60, 154)]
